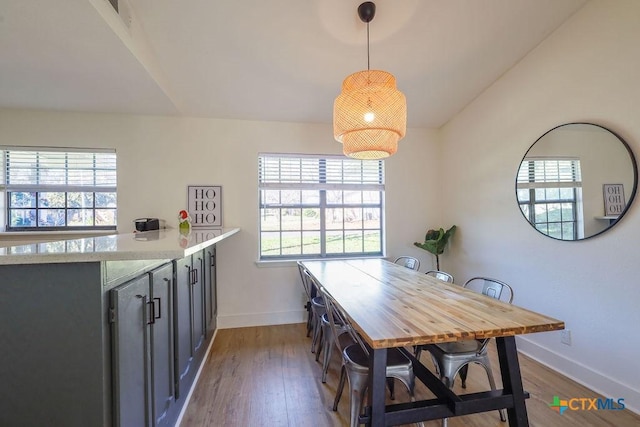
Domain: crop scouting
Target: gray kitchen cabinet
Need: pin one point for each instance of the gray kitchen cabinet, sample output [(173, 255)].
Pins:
[(142, 346), (104, 337), (189, 319)]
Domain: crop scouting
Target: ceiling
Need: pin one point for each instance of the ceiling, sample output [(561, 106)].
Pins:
[(276, 60)]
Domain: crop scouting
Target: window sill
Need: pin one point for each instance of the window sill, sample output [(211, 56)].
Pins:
[(293, 262), (88, 233)]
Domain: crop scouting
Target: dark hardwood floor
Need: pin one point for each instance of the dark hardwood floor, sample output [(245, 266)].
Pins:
[(267, 376)]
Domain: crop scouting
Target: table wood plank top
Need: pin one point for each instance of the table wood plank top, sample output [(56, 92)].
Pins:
[(393, 306)]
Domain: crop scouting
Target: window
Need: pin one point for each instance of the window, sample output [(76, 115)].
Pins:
[(58, 189), (550, 196), (320, 206)]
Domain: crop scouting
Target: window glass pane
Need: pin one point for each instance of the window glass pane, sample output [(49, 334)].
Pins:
[(290, 197), (372, 241), (105, 200), (553, 193), (567, 194), (311, 242), (291, 219), (105, 217), (567, 212), (310, 197), (311, 219), (21, 199), (51, 200), (370, 197), (353, 218), (80, 200), (568, 231), (271, 197), (352, 197), (335, 242), (22, 218), (270, 243), (540, 194), (353, 241), (291, 243), (523, 195), (371, 218), (334, 197), (51, 217), (79, 217), (541, 213), (333, 219), (269, 219), (554, 212)]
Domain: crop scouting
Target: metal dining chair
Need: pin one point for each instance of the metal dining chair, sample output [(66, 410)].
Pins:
[(307, 285), (440, 275), (409, 262), (355, 361), (453, 358)]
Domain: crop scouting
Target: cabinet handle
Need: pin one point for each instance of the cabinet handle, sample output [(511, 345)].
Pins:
[(159, 309), (152, 316), (195, 280)]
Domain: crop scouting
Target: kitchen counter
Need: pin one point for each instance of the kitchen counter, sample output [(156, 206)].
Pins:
[(108, 330), (149, 245)]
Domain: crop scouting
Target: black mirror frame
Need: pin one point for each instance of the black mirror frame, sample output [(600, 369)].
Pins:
[(628, 204)]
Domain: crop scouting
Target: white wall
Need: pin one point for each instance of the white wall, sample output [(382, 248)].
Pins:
[(586, 71), (159, 156)]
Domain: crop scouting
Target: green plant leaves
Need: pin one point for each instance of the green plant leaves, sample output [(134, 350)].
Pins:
[(436, 240)]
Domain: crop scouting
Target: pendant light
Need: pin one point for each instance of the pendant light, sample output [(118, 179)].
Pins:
[(370, 114)]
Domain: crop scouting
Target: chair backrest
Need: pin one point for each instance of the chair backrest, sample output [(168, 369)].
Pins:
[(409, 262), (337, 317), (306, 281), (490, 287), (440, 275)]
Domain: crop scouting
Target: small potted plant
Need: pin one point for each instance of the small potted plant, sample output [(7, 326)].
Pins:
[(435, 242)]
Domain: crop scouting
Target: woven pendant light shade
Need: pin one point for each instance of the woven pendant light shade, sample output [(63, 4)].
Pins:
[(369, 115)]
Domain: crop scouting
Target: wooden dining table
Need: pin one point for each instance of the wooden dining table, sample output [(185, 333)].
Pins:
[(392, 306)]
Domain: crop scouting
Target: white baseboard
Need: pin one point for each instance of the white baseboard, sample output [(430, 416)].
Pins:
[(261, 319), (581, 374), (195, 380)]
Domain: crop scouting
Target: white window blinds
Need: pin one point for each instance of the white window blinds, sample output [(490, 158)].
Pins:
[(311, 172), (38, 169)]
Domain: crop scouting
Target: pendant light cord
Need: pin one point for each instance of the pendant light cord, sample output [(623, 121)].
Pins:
[(368, 64)]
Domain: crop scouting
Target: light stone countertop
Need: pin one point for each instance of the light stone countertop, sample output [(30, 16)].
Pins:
[(159, 244)]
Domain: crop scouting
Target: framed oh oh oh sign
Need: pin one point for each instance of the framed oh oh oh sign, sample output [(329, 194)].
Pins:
[(205, 205)]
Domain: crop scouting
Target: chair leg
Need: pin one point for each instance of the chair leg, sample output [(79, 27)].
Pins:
[(343, 377), (492, 383), (327, 355), (320, 344), (317, 330), (417, 351), (358, 386), (309, 318), (392, 388), (463, 375)]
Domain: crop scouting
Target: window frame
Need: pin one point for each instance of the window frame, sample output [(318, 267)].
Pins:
[(73, 170), (321, 177), (530, 179)]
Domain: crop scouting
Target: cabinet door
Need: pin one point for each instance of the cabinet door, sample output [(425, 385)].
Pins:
[(163, 385), (131, 355), (182, 325), (198, 317), (211, 302)]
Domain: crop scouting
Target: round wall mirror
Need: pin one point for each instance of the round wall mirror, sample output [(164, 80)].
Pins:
[(576, 181)]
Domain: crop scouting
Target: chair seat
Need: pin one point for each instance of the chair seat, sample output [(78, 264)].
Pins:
[(466, 347), (359, 359)]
